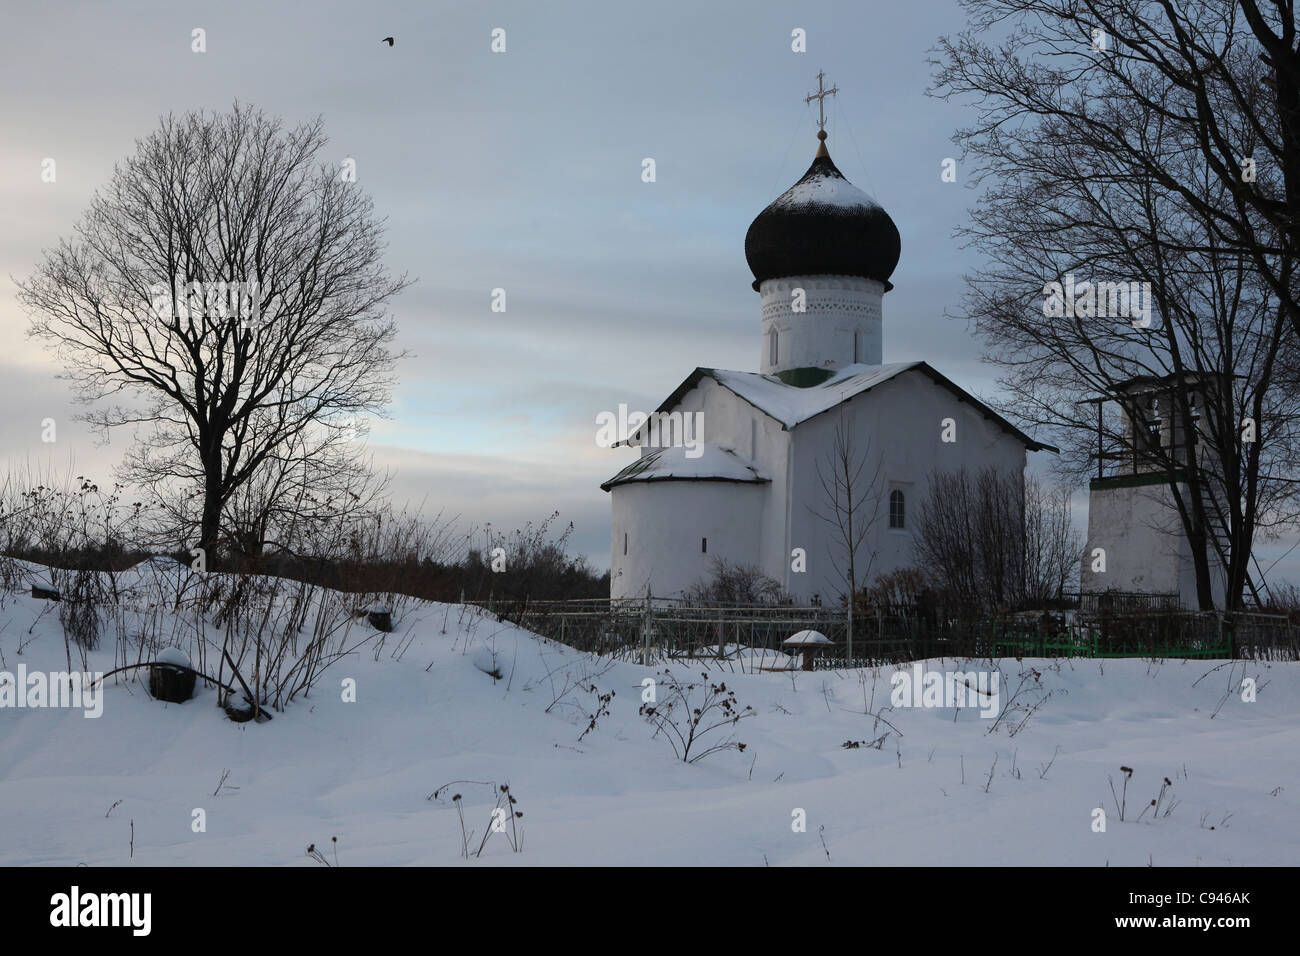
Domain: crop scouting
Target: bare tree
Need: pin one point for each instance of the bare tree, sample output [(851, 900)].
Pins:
[(226, 287), (300, 490), (995, 540), (1052, 545), (850, 506), (1112, 136), (1220, 80), (943, 536)]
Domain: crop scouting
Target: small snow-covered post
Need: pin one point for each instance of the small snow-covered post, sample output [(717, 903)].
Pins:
[(808, 643), (170, 676)]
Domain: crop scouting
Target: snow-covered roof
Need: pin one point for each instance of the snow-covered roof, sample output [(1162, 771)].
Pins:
[(824, 188), (790, 405), (800, 638), (714, 463)]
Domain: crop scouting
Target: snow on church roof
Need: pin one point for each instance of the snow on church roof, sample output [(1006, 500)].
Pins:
[(791, 405), (714, 463)]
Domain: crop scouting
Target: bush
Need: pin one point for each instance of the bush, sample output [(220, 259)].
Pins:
[(736, 584), (690, 712)]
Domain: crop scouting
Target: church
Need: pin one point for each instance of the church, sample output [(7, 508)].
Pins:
[(742, 466)]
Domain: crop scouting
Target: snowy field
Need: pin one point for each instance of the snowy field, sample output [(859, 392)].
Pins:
[(428, 722)]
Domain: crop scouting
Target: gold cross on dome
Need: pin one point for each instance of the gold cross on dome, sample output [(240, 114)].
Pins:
[(820, 97)]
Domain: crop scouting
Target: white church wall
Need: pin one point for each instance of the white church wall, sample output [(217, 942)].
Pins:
[(666, 524), (760, 524), (728, 422), (732, 422), (840, 324), (902, 421)]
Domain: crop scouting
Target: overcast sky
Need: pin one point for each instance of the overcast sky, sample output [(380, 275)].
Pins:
[(519, 170)]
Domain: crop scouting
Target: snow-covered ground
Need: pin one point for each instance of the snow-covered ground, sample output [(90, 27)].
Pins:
[(428, 719)]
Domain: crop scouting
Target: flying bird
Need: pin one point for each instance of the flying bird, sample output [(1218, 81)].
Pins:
[(388, 40)]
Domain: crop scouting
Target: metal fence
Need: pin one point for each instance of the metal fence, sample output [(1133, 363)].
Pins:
[(662, 629)]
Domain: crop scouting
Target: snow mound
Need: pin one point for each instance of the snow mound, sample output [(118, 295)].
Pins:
[(488, 661), (173, 656), (885, 781), (158, 564), (158, 578)]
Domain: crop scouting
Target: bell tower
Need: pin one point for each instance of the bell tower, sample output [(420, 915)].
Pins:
[(1148, 440)]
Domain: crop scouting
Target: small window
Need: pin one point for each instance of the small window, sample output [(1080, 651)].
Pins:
[(897, 510), (857, 347), (625, 542), (704, 545), (771, 347)]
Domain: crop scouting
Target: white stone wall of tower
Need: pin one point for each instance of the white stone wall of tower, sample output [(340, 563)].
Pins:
[(1145, 547), (1138, 525), (841, 323)]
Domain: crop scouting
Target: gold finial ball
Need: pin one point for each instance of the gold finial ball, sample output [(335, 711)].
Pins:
[(821, 135)]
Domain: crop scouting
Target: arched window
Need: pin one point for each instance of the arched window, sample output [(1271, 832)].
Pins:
[(897, 509), (771, 347)]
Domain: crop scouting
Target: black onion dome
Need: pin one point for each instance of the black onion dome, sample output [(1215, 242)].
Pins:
[(823, 225)]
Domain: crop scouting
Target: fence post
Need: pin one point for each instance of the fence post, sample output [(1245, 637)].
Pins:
[(852, 600), (645, 631)]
